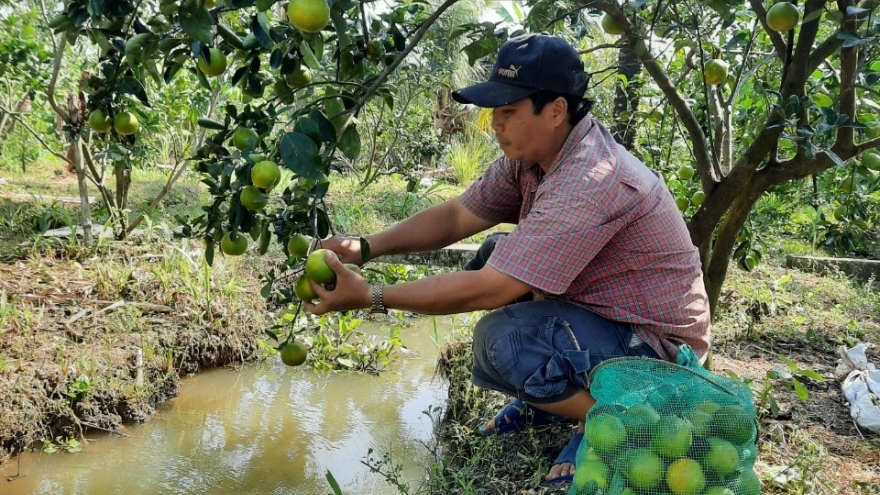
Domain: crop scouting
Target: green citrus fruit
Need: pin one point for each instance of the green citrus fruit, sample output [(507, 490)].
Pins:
[(294, 353), (747, 483), (698, 198), (722, 457), (733, 423), (640, 421), (701, 421), (233, 247), (672, 437), (99, 122), (605, 433), (685, 477), (644, 469), (870, 160), (354, 268), (873, 130), (265, 174), (298, 245), (782, 17), (298, 78), (245, 138), (210, 4), (309, 16), (609, 25), (839, 213), (318, 269), (375, 50), (709, 406), (682, 203), (125, 123), (715, 71), (303, 289), (686, 172), (590, 472), (216, 66), (253, 199)]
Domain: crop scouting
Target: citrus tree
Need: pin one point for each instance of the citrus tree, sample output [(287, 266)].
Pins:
[(765, 94), (745, 96)]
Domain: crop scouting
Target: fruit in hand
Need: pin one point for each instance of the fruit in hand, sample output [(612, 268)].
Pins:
[(317, 268), (303, 289), (309, 16)]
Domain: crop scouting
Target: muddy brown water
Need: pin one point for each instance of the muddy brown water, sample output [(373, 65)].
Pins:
[(260, 429)]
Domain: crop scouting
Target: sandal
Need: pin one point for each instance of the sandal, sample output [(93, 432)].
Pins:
[(517, 415), (568, 454)]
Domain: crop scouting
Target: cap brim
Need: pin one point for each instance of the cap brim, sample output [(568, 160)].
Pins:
[(492, 94)]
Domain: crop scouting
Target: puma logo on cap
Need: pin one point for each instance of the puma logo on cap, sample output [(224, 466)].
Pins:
[(512, 72)]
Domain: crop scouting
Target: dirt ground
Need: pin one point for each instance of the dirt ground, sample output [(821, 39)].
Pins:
[(96, 340)]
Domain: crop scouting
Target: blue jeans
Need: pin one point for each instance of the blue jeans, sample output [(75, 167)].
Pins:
[(542, 351)]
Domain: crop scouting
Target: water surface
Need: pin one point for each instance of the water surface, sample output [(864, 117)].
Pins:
[(260, 429)]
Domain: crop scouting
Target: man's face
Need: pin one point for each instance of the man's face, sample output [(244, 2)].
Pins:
[(524, 136)]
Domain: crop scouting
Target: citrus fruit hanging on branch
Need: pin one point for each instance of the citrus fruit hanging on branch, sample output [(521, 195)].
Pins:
[(125, 123), (294, 353), (245, 138), (716, 71), (309, 16), (99, 122), (610, 26), (782, 17), (233, 245), (215, 63), (265, 174)]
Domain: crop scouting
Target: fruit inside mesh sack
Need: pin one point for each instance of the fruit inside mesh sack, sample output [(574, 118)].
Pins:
[(660, 428)]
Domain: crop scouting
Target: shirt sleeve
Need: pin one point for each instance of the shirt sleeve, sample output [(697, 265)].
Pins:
[(496, 195), (555, 242)]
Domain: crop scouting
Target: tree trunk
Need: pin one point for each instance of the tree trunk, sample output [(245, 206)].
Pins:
[(79, 165), (626, 98), (19, 107), (122, 171)]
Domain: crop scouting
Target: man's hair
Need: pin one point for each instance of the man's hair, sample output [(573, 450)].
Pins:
[(578, 108)]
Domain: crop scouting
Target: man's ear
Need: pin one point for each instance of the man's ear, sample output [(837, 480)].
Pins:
[(559, 109)]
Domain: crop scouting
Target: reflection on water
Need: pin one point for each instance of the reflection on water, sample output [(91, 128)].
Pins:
[(262, 429)]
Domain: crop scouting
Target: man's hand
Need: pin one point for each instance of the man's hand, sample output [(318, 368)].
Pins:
[(347, 248), (350, 291)]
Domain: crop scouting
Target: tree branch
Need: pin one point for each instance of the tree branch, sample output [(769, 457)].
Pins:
[(775, 38), (15, 117)]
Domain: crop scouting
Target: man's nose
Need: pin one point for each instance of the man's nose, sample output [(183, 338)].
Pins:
[(496, 121)]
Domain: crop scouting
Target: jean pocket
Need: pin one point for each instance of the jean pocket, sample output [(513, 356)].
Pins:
[(558, 373)]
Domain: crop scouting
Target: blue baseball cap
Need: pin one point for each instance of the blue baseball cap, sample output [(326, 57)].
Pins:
[(527, 64)]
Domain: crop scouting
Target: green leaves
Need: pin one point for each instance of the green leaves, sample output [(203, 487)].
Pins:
[(197, 23), (299, 153)]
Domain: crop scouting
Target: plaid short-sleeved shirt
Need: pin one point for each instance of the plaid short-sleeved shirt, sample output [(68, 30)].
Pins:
[(601, 230)]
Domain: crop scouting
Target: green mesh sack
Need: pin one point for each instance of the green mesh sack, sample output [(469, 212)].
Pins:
[(660, 428)]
